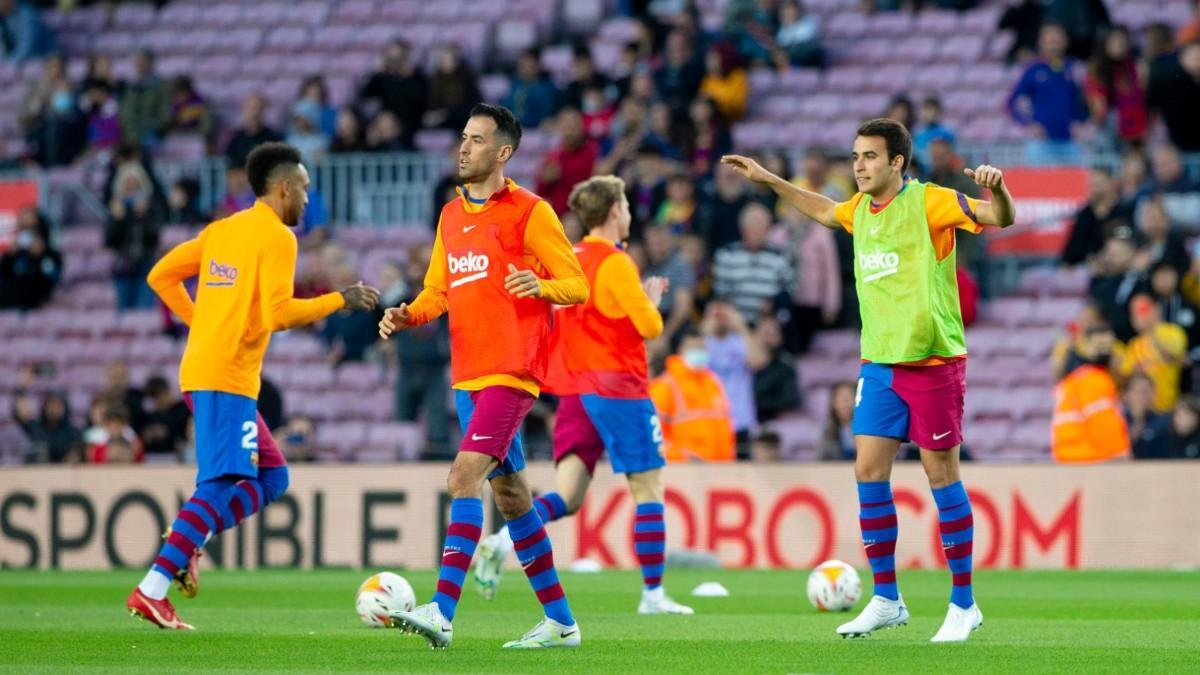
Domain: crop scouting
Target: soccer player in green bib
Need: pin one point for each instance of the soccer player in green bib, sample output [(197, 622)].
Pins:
[(913, 375)]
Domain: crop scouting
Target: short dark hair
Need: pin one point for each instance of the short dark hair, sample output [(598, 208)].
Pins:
[(894, 134), (157, 385), (265, 161), (507, 126)]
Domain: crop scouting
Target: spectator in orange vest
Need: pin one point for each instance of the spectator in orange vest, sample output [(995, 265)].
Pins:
[(691, 403), (1088, 425)]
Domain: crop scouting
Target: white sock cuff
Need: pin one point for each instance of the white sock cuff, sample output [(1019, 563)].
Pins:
[(155, 584)]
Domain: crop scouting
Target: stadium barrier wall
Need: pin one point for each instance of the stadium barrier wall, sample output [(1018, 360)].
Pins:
[(1126, 515)]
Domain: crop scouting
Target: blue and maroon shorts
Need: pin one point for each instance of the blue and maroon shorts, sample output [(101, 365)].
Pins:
[(923, 404)]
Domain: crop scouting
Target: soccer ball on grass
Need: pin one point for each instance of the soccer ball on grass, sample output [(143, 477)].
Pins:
[(380, 595), (834, 586)]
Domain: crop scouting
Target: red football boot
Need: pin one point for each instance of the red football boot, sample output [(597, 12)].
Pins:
[(157, 612)]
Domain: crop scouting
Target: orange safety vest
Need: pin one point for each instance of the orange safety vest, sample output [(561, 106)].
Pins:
[(694, 412), (592, 353), (1087, 424), (492, 332)]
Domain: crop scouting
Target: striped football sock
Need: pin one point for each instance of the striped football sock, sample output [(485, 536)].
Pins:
[(877, 518), (197, 520), (550, 507), (251, 495), (650, 542), (957, 526), (462, 536), (537, 557)]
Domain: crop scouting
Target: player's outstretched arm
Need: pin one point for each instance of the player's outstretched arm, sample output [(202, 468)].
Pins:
[(168, 274), (546, 240), (813, 205), (1000, 212), (281, 311), (429, 304)]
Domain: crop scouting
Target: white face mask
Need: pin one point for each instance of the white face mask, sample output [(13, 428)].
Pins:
[(696, 358), (25, 240)]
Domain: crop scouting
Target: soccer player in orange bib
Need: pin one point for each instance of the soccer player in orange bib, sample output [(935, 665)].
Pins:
[(500, 262), (598, 369), (246, 264), (913, 377)]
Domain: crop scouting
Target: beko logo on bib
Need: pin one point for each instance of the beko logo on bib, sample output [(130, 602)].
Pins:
[(468, 263), (881, 263), (223, 275), (473, 265)]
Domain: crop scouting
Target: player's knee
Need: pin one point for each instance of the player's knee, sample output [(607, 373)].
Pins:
[(275, 482), (460, 485), (647, 486), (941, 468), (511, 499)]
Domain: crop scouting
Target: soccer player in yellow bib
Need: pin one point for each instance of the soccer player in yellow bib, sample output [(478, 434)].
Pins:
[(913, 376)]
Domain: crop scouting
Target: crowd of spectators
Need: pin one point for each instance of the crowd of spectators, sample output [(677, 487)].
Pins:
[(752, 279), (128, 422), (1088, 81)]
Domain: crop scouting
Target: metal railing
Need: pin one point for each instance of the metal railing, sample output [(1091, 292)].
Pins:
[(357, 188)]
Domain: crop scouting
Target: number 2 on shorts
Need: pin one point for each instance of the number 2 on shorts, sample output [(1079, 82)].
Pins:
[(250, 435)]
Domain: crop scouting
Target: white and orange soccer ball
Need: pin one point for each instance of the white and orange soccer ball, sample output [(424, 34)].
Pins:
[(834, 586), (382, 594)]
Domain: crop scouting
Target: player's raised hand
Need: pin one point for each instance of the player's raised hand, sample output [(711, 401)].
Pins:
[(655, 287), (986, 175), (394, 319), (522, 283), (359, 296), (747, 168)]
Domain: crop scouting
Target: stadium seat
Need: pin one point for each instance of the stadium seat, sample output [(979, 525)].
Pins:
[(1032, 437), (405, 438), (985, 437), (822, 372), (960, 49), (982, 21), (286, 39), (436, 140), (845, 26), (133, 16), (841, 344), (183, 148), (582, 15), (358, 376), (890, 24), (221, 16), (799, 81), (938, 23), (176, 14), (1009, 312), (796, 434), (354, 11), (514, 36)]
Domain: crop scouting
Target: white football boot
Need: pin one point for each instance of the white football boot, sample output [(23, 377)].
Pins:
[(547, 634), (959, 625), (879, 613), (426, 621), (489, 560), (658, 602)]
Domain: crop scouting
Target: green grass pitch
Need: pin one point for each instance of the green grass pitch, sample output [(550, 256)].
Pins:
[(299, 621)]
